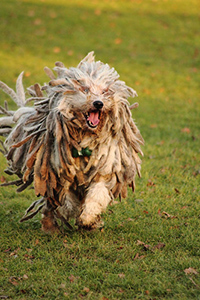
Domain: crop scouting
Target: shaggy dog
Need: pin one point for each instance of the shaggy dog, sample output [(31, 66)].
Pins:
[(78, 144)]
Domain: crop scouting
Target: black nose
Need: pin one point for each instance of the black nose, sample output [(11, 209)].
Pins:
[(98, 104)]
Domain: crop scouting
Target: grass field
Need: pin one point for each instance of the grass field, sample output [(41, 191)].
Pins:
[(150, 245)]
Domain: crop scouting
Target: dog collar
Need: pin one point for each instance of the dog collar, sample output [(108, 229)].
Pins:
[(84, 152)]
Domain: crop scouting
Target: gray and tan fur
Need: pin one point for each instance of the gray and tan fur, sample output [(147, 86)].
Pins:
[(82, 109)]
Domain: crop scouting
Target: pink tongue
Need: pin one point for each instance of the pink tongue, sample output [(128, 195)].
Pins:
[(94, 118)]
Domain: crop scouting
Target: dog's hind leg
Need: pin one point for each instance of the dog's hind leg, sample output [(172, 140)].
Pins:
[(49, 224), (96, 201)]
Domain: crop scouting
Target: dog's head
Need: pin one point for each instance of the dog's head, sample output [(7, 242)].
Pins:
[(89, 92)]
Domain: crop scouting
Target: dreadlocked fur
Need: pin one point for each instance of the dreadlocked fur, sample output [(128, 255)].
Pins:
[(78, 144)]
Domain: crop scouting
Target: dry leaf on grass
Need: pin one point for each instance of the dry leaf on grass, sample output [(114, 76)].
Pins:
[(150, 183), (177, 191), (146, 246), (186, 129), (166, 215), (14, 280), (56, 49), (2, 179), (191, 271), (149, 247), (118, 41), (121, 275), (72, 278), (25, 277), (159, 246), (137, 256)]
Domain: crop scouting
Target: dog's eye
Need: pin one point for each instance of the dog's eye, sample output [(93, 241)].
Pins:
[(86, 89), (104, 91)]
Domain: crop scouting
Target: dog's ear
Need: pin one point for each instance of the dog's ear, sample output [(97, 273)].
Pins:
[(89, 58)]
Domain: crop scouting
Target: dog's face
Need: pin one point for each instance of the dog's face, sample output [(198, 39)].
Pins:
[(90, 92), (87, 98)]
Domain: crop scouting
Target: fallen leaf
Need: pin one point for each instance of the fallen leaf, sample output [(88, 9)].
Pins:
[(130, 219), (160, 143), (195, 70), (56, 50), (174, 227), (31, 13), (166, 215), (121, 275), (36, 242), (120, 248), (184, 207), (186, 130), (86, 289), (53, 15), (97, 12), (114, 202), (25, 277), (153, 126), (112, 25), (7, 250), (146, 246), (150, 183), (147, 92), (139, 243), (29, 258), (118, 41), (71, 278), (137, 256), (37, 22), (66, 294), (139, 200), (27, 74), (196, 173), (147, 292), (14, 253), (177, 191), (70, 52), (13, 280), (29, 250), (2, 179), (159, 246), (193, 282), (191, 271)]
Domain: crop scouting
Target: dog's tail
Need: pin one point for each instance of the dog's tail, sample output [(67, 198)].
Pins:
[(8, 118)]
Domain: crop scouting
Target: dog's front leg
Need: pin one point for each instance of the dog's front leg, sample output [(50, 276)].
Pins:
[(96, 201)]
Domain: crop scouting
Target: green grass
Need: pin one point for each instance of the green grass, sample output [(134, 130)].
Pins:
[(154, 45)]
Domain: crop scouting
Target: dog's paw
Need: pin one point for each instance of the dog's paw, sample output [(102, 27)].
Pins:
[(89, 222)]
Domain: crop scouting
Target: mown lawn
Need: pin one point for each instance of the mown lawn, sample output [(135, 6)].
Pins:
[(150, 245)]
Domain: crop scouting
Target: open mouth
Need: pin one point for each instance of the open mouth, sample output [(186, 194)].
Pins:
[(93, 118)]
